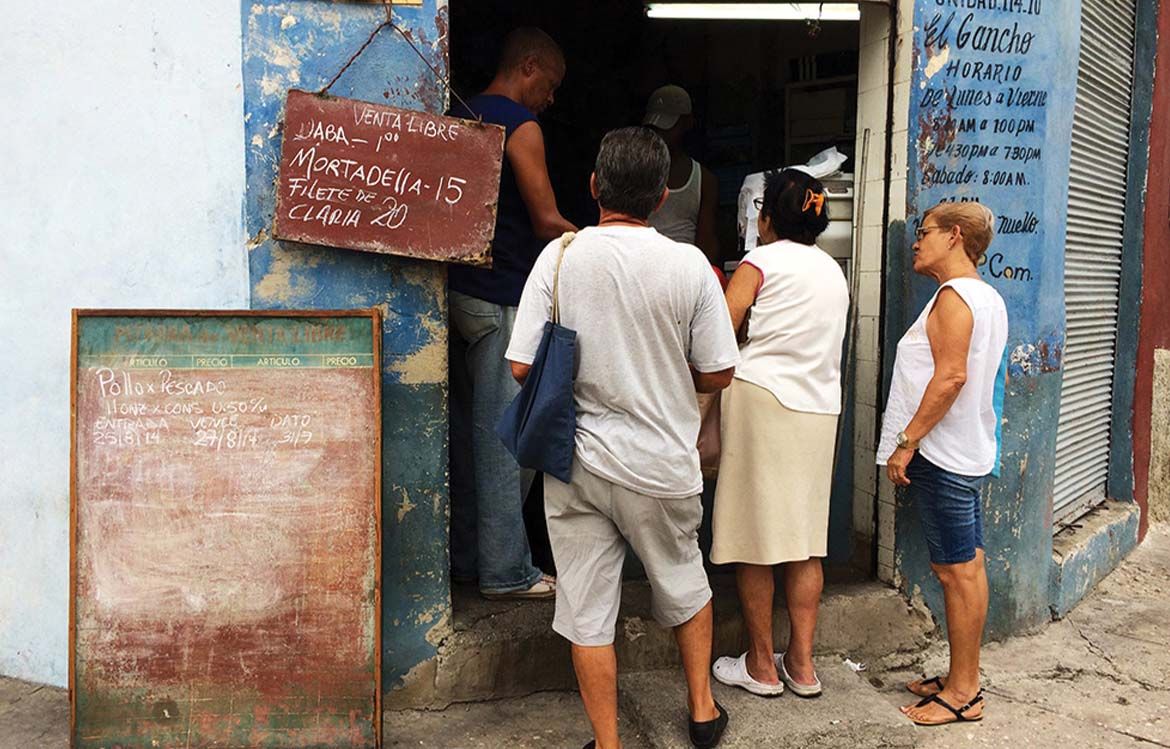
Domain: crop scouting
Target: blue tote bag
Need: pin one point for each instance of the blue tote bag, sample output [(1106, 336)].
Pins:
[(540, 424)]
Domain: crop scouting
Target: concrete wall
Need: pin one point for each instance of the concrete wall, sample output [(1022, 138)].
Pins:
[(302, 45), (950, 110), (121, 187), (883, 110), (1151, 408)]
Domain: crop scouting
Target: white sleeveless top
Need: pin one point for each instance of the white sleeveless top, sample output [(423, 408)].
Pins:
[(678, 218), (797, 326), (964, 441)]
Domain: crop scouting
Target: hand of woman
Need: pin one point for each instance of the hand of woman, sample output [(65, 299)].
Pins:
[(896, 466)]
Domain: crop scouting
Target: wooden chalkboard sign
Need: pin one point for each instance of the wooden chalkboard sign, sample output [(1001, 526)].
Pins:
[(225, 529), (380, 179)]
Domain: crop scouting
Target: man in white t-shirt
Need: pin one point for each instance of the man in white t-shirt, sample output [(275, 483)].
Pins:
[(652, 329)]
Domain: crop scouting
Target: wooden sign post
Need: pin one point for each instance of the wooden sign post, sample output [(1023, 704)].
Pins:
[(225, 530), (380, 179)]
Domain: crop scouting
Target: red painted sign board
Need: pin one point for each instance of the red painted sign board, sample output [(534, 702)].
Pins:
[(394, 181)]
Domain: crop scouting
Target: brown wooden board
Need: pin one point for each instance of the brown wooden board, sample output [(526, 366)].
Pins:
[(380, 179), (225, 529)]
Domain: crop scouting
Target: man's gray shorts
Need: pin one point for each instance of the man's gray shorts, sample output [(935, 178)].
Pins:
[(589, 521)]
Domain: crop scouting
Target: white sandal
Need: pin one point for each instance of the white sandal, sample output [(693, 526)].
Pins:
[(800, 690), (733, 672)]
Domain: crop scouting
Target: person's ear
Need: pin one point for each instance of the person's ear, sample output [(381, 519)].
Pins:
[(593, 186), (662, 198), (763, 225), (529, 66)]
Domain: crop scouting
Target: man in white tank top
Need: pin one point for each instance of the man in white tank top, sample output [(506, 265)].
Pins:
[(688, 215)]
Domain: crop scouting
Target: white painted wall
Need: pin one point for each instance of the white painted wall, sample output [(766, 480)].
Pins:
[(121, 185)]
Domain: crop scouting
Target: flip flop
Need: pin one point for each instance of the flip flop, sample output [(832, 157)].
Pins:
[(936, 681), (545, 587), (733, 672), (808, 691), (958, 713)]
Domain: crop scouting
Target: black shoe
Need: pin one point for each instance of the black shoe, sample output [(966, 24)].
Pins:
[(707, 734), (590, 745)]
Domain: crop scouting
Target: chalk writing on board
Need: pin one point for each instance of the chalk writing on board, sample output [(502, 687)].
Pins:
[(375, 178), (136, 407)]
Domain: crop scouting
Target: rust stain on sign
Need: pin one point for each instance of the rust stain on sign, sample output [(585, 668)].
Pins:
[(380, 179)]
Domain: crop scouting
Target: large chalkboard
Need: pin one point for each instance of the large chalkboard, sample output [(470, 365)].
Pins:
[(225, 529)]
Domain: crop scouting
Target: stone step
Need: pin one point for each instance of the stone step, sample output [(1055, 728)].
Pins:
[(508, 649), (850, 714)]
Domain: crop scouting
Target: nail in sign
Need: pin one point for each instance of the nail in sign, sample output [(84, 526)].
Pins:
[(393, 181)]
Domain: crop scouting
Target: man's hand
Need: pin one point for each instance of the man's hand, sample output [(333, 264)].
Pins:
[(896, 466), (520, 371)]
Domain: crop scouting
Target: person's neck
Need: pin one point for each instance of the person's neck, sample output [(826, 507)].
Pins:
[(956, 270), (506, 86), (617, 218)]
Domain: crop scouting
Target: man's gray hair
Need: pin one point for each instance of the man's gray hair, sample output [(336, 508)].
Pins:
[(632, 167)]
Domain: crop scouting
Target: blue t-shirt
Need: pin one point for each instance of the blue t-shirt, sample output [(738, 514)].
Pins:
[(515, 246)]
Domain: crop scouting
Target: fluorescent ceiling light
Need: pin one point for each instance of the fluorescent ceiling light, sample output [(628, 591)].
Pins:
[(756, 11)]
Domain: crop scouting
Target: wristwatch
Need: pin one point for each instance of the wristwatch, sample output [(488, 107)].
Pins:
[(904, 441)]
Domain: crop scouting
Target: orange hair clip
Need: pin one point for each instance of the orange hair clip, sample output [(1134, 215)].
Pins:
[(813, 199)]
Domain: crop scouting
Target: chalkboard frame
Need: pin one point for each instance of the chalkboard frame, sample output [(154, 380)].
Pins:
[(375, 317)]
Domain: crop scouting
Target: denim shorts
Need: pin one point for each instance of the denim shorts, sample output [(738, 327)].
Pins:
[(950, 508)]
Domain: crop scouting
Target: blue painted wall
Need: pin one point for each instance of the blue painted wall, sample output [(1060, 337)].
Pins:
[(991, 107), (302, 45)]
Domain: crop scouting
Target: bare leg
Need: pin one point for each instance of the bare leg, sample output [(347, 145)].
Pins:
[(803, 582), (965, 592), (757, 589), (596, 669), (694, 645)]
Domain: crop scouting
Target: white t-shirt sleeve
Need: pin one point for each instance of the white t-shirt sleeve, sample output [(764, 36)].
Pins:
[(712, 344), (535, 307)]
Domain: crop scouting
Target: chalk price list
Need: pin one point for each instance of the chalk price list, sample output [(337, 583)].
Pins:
[(982, 114), (335, 191), (144, 408)]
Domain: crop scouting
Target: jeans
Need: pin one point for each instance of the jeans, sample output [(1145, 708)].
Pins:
[(488, 537), (951, 510)]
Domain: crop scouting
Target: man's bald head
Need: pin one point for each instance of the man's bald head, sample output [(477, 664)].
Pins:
[(530, 43)]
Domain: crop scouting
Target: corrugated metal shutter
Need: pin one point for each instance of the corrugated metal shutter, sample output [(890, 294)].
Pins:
[(1096, 217)]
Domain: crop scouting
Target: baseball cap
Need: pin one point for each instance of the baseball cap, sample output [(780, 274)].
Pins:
[(665, 106)]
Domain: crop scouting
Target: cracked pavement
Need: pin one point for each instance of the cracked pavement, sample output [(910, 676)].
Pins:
[(1100, 678)]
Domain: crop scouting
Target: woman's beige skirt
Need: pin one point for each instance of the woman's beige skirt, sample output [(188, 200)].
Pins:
[(775, 475)]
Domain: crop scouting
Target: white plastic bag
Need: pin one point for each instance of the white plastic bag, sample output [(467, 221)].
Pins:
[(819, 166)]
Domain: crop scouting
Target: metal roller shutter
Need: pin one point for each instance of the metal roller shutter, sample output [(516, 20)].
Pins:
[(1092, 274)]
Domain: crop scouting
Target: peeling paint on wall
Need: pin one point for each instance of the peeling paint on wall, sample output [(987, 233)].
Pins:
[(304, 43), (994, 125)]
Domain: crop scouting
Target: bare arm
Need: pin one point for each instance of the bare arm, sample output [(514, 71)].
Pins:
[(741, 294), (711, 382), (705, 237), (948, 327), (525, 152)]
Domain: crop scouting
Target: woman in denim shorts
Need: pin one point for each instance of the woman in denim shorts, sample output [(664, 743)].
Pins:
[(939, 438)]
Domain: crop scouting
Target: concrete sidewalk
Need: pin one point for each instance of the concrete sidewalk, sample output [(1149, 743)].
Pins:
[(1100, 678)]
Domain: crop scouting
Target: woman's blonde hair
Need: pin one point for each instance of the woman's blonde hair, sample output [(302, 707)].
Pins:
[(976, 222)]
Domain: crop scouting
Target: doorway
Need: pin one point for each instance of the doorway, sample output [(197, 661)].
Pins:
[(766, 94)]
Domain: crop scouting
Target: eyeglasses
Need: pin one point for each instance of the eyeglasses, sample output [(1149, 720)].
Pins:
[(758, 203), (921, 232)]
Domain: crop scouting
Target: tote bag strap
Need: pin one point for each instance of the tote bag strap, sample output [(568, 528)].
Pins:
[(566, 238)]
